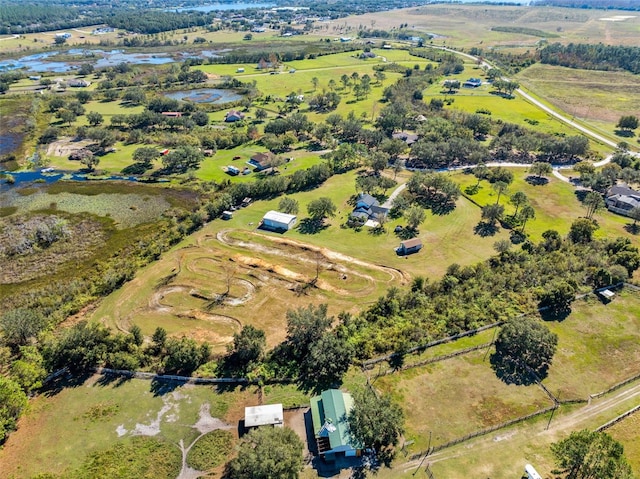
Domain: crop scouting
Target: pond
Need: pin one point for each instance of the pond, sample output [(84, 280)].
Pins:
[(206, 95), (39, 62), (47, 176)]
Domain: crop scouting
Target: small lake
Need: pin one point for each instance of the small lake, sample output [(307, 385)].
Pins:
[(40, 62), (22, 177), (205, 95), (220, 6)]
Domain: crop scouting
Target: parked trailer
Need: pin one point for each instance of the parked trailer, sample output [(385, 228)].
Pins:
[(531, 472)]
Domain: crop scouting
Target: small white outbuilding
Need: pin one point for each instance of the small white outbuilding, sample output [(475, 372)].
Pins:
[(267, 415), (274, 220)]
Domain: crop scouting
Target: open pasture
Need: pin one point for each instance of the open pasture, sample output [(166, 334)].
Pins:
[(470, 25), (512, 110), (447, 239), (46, 40), (456, 397), (626, 431), (601, 96), (92, 414), (598, 346), (265, 271)]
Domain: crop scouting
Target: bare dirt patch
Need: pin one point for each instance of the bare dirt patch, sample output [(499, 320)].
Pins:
[(65, 146)]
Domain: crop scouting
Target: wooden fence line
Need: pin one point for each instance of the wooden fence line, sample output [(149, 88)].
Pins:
[(435, 359), (619, 418)]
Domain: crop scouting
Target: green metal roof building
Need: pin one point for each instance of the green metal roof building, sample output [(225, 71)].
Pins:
[(329, 415)]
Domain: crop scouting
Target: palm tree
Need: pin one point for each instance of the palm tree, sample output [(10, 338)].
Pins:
[(518, 199), (500, 187), (526, 214)]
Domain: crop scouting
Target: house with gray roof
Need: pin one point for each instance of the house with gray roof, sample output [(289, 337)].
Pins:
[(368, 208), (621, 199)]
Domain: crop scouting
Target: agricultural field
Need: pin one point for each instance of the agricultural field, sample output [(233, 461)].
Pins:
[(598, 97), (469, 26)]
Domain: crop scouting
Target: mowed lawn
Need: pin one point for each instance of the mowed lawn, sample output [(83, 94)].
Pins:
[(598, 346), (456, 397), (62, 427), (511, 110), (447, 239), (556, 206)]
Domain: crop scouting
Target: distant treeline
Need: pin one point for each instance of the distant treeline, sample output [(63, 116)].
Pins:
[(592, 57), (603, 4), (150, 22), (525, 31), (26, 18), (309, 51)]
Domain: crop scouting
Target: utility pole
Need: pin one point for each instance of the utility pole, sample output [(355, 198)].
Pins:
[(425, 456)]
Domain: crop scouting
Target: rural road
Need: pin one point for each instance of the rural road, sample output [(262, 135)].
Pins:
[(544, 107)]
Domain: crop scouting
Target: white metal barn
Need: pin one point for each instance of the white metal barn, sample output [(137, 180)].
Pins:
[(274, 220)]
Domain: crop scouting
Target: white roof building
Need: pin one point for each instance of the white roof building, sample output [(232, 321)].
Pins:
[(274, 220), (268, 415)]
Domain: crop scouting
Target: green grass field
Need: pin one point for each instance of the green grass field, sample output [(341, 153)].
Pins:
[(470, 26), (555, 203), (63, 426), (201, 260), (626, 432), (456, 397), (598, 346)]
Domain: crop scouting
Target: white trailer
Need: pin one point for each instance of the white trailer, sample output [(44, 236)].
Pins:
[(531, 472)]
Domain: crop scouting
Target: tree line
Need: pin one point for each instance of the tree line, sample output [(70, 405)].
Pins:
[(592, 56)]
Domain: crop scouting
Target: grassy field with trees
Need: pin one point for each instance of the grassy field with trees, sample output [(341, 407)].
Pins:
[(145, 275)]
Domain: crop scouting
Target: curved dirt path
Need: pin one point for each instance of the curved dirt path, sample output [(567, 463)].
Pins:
[(394, 273)]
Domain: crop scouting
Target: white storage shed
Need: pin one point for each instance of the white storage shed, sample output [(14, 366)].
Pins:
[(274, 220)]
